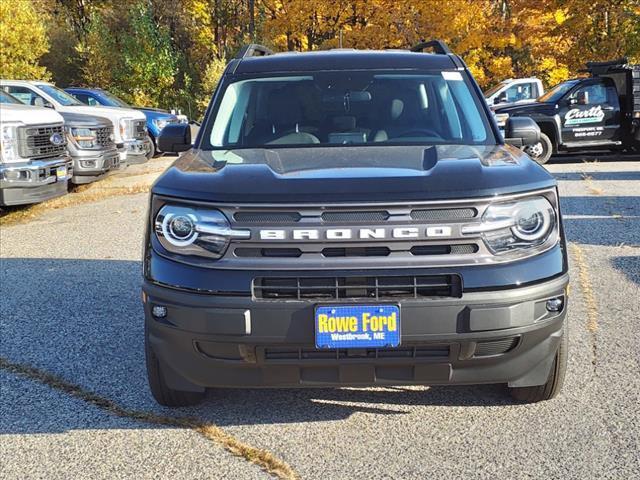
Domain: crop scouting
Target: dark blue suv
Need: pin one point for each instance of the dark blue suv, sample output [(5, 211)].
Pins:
[(157, 118), (353, 218)]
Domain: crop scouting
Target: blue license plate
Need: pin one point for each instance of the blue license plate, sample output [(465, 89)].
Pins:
[(357, 326)]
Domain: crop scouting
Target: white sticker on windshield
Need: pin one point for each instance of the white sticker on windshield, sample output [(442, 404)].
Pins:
[(452, 76)]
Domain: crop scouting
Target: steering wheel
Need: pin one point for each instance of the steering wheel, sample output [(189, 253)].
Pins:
[(419, 132)]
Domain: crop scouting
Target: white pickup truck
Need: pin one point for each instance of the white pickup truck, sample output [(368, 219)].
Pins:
[(513, 91), (130, 126), (34, 165)]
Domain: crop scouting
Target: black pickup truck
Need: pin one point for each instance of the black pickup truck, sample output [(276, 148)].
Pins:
[(601, 111), (353, 218)]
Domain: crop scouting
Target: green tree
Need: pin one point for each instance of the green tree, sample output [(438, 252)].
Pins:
[(23, 40), (146, 70)]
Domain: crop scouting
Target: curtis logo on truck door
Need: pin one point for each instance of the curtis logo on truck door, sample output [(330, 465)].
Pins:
[(575, 116)]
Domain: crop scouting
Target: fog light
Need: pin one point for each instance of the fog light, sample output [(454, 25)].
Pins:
[(88, 163), (16, 175), (159, 311), (554, 304)]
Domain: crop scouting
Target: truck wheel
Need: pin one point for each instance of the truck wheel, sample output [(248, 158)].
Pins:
[(161, 392), (152, 148), (541, 151), (554, 384)]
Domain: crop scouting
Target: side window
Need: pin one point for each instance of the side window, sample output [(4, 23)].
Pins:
[(521, 91), (86, 99), (26, 96), (596, 93)]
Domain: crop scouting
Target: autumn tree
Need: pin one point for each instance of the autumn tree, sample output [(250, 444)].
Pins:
[(23, 40)]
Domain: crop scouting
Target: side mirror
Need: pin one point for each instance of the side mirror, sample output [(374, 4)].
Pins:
[(41, 102), (175, 138), (521, 132)]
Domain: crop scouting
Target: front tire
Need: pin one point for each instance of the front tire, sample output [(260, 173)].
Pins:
[(164, 395), (554, 384), (541, 152)]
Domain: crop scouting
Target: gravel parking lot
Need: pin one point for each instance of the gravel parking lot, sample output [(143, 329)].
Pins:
[(74, 400)]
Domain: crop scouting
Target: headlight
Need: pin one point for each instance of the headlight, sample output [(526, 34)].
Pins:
[(160, 123), (520, 225), (9, 143), (123, 127), (501, 119), (195, 231), (83, 137)]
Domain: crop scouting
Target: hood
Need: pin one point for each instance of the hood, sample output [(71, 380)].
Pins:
[(112, 113), (151, 110), (157, 113), (90, 121), (524, 108), (351, 174), (28, 115)]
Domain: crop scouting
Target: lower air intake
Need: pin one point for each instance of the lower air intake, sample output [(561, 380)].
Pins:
[(495, 347), (382, 287)]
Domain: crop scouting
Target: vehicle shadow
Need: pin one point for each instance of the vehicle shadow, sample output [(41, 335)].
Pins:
[(602, 220), (82, 320), (630, 266)]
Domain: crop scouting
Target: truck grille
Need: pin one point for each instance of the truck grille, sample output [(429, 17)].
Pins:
[(35, 142), (136, 129), (105, 136), (367, 287)]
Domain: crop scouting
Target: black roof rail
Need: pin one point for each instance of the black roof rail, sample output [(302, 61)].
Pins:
[(438, 47), (253, 50)]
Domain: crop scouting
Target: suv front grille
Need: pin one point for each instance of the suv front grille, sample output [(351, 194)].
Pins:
[(35, 142), (366, 287), (267, 217), (274, 354), (444, 214), (355, 251), (355, 217)]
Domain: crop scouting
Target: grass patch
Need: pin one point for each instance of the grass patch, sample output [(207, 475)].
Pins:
[(260, 457), (584, 282), (77, 196)]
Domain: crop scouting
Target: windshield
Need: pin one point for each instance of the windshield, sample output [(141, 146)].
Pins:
[(112, 100), (494, 89), (6, 98), (60, 96), (557, 92), (347, 108)]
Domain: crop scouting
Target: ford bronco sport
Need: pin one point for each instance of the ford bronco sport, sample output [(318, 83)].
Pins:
[(353, 218)]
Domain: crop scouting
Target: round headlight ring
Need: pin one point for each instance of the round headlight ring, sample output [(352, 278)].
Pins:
[(180, 229), (532, 231)]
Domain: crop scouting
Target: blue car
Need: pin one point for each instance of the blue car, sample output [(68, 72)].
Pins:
[(157, 118)]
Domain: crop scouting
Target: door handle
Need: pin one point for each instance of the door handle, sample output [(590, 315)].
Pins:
[(607, 108)]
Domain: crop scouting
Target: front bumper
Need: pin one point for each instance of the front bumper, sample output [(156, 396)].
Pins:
[(135, 151), (91, 165), (34, 181), (502, 336)]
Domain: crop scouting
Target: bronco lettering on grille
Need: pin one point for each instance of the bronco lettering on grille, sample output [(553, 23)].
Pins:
[(311, 234)]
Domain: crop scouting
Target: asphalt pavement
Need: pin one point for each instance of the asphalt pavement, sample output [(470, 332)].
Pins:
[(70, 306)]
